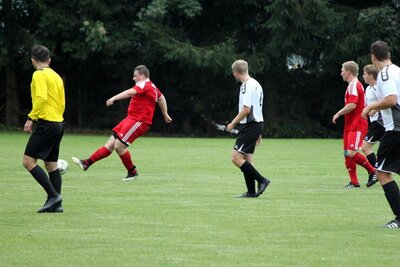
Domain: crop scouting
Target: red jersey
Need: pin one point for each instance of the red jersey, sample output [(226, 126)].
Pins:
[(353, 120), (142, 106)]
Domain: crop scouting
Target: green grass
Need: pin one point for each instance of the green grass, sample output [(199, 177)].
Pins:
[(182, 209)]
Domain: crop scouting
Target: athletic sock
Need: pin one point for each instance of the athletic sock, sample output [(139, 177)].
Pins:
[(250, 184), (56, 180), (392, 194), (362, 161), (127, 161), (372, 159), (100, 153), (351, 167), (133, 170), (41, 177), (248, 169)]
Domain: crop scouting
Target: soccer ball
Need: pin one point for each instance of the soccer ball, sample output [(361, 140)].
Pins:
[(62, 166)]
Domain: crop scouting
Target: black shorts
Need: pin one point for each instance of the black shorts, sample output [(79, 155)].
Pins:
[(45, 140), (247, 138), (375, 132), (389, 153)]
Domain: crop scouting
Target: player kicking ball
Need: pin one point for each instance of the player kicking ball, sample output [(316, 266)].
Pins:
[(144, 96)]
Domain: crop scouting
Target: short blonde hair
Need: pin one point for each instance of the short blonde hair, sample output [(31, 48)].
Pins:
[(351, 66), (240, 66), (371, 70)]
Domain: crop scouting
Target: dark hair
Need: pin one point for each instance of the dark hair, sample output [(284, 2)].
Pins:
[(380, 50), (142, 69), (40, 53)]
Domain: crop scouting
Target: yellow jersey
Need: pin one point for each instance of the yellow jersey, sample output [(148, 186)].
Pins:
[(48, 96)]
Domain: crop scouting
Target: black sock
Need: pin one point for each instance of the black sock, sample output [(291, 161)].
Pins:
[(250, 184), (249, 170), (392, 194), (41, 177), (56, 180), (372, 159)]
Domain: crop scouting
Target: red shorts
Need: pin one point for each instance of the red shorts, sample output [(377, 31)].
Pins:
[(353, 140), (129, 129)]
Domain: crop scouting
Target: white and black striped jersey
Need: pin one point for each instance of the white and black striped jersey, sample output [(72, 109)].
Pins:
[(388, 83), (371, 96), (251, 95)]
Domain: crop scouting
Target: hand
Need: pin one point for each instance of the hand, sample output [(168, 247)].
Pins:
[(110, 101), (230, 127), (259, 140), (28, 126), (372, 113), (335, 117), (167, 118), (365, 112)]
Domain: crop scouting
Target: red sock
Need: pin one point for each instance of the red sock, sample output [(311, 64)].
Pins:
[(127, 161), (363, 161), (351, 168), (100, 153)]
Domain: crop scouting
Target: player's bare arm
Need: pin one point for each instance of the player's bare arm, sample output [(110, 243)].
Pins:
[(162, 103), (242, 114), (346, 109), (387, 102), (123, 95)]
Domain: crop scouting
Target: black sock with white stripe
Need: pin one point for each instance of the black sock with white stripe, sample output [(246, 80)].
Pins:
[(392, 194)]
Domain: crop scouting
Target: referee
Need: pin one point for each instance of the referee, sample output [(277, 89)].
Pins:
[(48, 105), (251, 119)]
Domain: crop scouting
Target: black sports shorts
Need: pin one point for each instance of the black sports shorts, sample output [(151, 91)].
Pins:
[(45, 140), (389, 152), (375, 132), (247, 138)]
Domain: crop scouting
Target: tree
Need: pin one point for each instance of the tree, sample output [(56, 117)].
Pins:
[(91, 42), (294, 47), (15, 28)]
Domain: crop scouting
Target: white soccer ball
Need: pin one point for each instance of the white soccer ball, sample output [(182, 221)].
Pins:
[(62, 166)]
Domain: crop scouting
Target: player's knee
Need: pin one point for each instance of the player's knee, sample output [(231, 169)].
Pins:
[(50, 166), (383, 177), (238, 161), (28, 163), (25, 164), (120, 149)]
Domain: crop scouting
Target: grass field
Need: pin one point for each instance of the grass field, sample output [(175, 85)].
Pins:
[(182, 209)]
